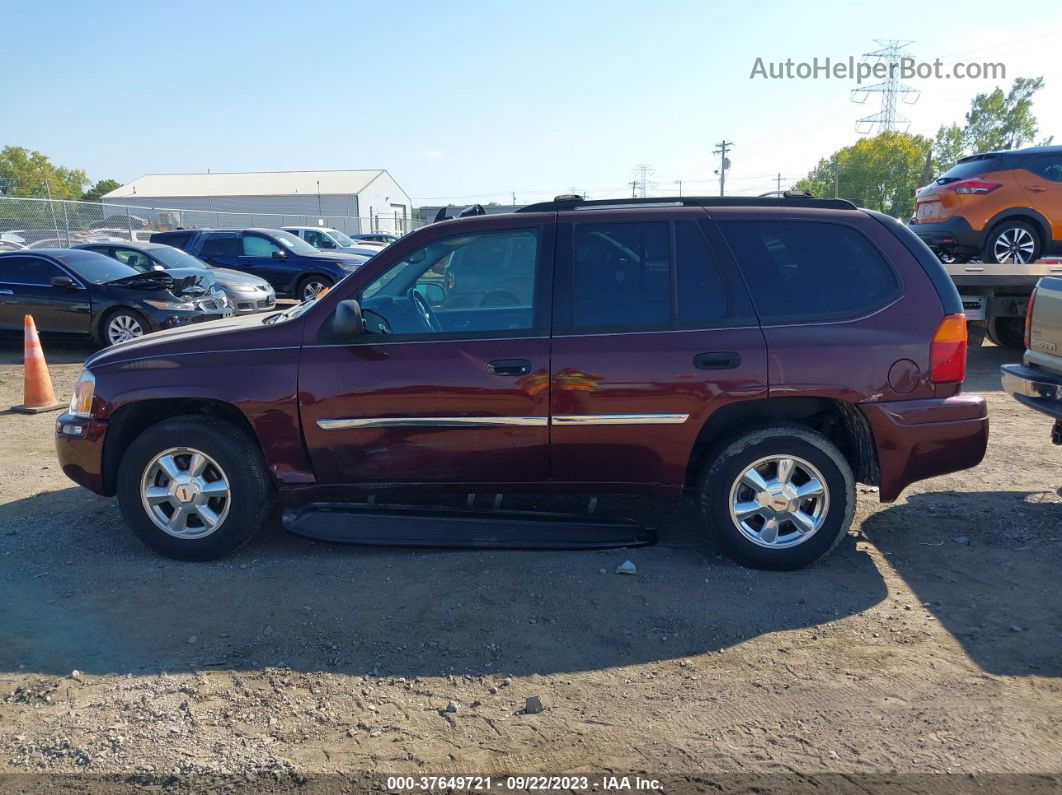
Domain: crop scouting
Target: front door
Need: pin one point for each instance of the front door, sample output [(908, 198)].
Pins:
[(264, 257), (652, 334), (449, 383), (26, 289)]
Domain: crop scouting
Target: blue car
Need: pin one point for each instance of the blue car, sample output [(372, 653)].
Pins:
[(291, 265)]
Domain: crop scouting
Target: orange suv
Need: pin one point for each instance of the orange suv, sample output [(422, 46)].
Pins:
[(998, 206)]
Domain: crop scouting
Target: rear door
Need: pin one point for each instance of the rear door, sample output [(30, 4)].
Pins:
[(653, 332), (1041, 178), (220, 248), (26, 289)]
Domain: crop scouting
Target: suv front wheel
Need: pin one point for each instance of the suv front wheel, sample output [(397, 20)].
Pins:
[(779, 496), (194, 487)]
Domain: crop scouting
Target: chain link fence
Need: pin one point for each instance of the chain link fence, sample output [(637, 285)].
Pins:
[(38, 223)]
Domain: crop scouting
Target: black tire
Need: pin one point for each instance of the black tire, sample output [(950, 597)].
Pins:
[(1011, 228), (735, 455), (306, 281), (240, 461), (1007, 332), (102, 336)]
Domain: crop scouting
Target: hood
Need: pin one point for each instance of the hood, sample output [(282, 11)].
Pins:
[(237, 333), (187, 282), (230, 278), (361, 251), (328, 256)]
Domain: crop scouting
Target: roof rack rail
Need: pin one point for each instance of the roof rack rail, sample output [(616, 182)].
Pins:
[(788, 198)]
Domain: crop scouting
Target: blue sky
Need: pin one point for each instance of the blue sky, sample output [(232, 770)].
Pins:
[(471, 101)]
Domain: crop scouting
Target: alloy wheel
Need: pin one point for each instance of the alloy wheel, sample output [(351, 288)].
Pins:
[(779, 501), (122, 328), (185, 492), (1015, 245), (311, 289)]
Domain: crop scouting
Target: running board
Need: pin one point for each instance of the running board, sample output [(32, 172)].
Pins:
[(415, 526)]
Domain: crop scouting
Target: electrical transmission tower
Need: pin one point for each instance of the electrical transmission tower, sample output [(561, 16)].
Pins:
[(887, 119), (641, 185)]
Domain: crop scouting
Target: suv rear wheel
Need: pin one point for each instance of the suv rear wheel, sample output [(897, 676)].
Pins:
[(1012, 242), (194, 487), (779, 496)]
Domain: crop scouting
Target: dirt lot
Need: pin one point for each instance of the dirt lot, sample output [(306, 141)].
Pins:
[(929, 642)]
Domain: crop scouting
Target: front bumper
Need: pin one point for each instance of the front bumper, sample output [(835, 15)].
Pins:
[(249, 303), (79, 446), (919, 439), (1034, 387), (161, 319), (953, 235)]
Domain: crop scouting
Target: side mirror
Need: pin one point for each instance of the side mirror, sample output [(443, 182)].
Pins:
[(279, 254), (348, 321), (63, 282)]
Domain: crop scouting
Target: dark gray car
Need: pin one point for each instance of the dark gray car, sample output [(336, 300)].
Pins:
[(247, 293)]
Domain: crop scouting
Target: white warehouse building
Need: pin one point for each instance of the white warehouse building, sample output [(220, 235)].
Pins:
[(328, 198)]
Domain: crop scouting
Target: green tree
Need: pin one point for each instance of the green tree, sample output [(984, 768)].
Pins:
[(881, 173), (26, 173), (101, 188), (995, 121), (1002, 121)]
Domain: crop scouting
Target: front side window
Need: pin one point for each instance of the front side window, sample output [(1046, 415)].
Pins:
[(808, 270), (258, 246), (478, 282)]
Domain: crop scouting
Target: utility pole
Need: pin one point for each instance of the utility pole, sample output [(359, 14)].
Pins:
[(724, 163), (634, 189), (836, 180), (514, 198), (779, 181), (679, 183)]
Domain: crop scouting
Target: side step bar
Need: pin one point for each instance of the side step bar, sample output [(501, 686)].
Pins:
[(416, 526)]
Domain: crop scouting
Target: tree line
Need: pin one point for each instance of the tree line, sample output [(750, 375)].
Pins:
[(30, 173), (883, 172)]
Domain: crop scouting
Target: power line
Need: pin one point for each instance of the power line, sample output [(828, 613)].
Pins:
[(887, 119)]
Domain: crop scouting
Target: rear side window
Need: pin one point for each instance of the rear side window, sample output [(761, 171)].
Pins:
[(809, 270), (621, 275), (220, 245), (178, 239)]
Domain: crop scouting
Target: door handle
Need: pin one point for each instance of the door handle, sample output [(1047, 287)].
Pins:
[(717, 360), (509, 367)]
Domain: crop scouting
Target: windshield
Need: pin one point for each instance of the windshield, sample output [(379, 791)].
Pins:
[(295, 244), (175, 258), (96, 268), (340, 238), (291, 312)]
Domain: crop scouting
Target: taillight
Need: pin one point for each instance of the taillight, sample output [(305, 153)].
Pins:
[(1028, 319), (974, 186), (947, 351)]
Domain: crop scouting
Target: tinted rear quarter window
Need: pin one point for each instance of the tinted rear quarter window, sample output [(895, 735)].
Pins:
[(810, 270)]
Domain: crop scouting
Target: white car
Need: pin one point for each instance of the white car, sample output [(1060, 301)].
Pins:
[(326, 238)]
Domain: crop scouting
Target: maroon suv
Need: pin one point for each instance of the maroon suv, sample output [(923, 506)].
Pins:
[(762, 355)]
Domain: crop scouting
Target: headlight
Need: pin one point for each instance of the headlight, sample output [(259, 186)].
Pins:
[(170, 305), (84, 389)]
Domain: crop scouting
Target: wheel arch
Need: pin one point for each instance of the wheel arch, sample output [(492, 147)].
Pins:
[(104, 315), (839, 421), (1027, 214), (131, 420)]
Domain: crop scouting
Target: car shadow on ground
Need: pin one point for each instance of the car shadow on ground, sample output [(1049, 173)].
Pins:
[(79, 592), (56, 351), (986, 564)]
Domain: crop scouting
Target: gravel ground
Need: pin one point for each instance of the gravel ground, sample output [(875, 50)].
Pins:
[(928, 643)]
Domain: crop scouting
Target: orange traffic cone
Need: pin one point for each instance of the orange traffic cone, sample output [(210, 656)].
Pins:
[(37, 392)]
